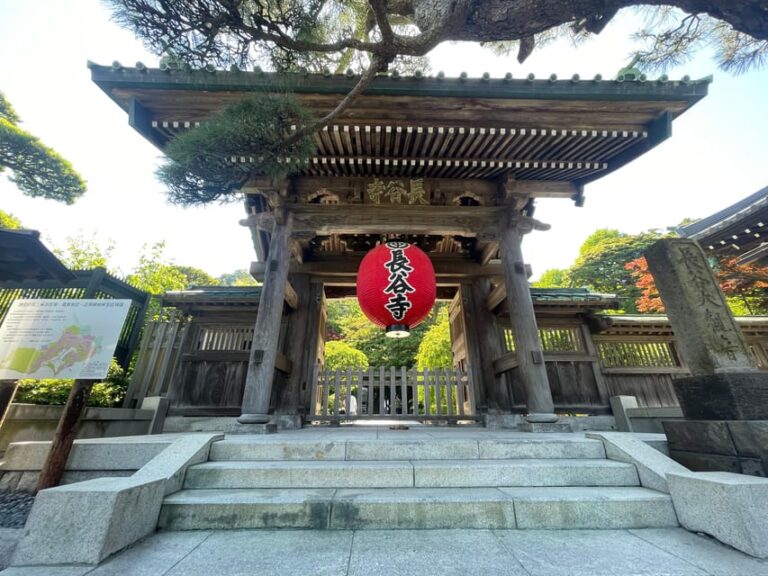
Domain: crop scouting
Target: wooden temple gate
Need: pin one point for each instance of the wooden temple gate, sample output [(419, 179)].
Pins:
[(454, 166)]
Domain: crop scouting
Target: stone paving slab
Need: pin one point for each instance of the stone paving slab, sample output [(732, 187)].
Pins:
[(592, 553), (431, 552), (245, 553), (703, 552), (650, 552)]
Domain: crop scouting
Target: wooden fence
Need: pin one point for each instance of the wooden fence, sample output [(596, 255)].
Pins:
[(392, 394), (158, 360), (585, 369)]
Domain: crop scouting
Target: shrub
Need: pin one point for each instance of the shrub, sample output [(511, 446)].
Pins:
[(341, 355), (54, 392)]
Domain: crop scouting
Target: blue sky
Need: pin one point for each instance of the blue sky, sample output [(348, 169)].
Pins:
[(718, 152)]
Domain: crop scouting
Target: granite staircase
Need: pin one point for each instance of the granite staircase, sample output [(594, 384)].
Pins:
[(528, 482)]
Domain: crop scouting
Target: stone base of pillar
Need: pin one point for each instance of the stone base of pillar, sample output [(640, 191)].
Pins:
[(544, 427), (541, 418), (725, 396), (254, 418), (269, 428)]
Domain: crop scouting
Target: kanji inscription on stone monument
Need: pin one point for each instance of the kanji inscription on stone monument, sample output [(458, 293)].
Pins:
[(709, 339)]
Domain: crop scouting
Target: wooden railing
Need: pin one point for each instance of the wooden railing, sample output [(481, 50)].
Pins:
[(391, 393)]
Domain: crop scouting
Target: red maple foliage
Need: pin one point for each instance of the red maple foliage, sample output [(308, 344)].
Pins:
[(649, 301), (735, 280)]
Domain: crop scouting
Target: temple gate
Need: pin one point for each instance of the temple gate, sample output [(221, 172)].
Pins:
[(452, 165)]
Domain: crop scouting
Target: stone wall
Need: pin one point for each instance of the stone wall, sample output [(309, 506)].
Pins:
[(31, 422)]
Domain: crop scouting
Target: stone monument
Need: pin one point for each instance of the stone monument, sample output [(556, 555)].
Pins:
[(725, 401)]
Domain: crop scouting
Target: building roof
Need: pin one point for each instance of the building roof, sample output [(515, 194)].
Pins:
[(213, 297), (659, 325), (572, 130), (24, 257), (740, 229)]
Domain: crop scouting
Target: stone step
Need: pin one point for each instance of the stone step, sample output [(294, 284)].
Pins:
[(404, 474), (418, 508), (244, 448)]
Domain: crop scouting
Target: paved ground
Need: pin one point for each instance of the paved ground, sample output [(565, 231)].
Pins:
[(669, 552)]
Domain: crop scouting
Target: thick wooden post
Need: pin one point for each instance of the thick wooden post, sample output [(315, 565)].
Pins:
[(266, 332), (53, 469), (530, 358)]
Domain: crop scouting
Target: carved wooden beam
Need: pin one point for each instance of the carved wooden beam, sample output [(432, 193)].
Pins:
[(323, 220)]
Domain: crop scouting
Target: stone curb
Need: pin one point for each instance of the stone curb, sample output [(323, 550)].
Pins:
[(84, 523)]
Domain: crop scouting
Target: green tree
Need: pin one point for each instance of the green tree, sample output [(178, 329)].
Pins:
[(197, 277), (435, 348), (9, 221), (553, 278), (601, 265), (81, 253), (347, 322), (155, 276), (36, 169), (199, 169), (240, 277), (340, 355)]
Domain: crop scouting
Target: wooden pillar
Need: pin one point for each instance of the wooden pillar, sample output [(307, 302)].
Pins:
[(266, 332), (64, 437), (7, 392), (475, 359), (297, 339), (309, 354), (530, 358), (489, 344)]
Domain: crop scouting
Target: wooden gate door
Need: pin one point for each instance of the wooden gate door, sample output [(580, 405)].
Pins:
[(392, 393)]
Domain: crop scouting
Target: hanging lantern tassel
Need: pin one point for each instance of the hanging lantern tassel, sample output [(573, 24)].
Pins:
[(396, 287)]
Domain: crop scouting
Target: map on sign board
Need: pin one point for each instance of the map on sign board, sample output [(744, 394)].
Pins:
[(60, 338)]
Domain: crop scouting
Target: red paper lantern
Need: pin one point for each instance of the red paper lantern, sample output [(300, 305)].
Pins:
[(396, 287)]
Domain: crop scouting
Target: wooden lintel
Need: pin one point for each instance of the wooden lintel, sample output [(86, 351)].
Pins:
[(469, 221), (541, 189)]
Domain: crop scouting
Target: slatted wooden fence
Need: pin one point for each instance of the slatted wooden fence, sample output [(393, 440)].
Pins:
[(158, 358), (392, 394)]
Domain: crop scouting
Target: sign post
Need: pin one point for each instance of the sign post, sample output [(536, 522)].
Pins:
[(61, 339)]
